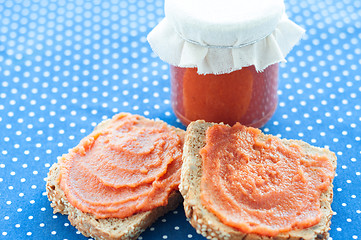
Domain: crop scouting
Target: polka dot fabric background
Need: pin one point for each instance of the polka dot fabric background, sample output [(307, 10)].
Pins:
[(67, 65)]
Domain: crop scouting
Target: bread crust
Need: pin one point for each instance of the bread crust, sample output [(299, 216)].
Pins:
[(207, 224), (109, 228)]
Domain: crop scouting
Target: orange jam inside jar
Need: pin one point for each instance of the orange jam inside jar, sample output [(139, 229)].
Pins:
[(244, 96)]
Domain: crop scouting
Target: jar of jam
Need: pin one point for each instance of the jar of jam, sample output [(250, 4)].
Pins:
[(224, 57)]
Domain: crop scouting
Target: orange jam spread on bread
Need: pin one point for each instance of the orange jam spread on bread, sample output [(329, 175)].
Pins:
[(126, 166), (245, 95), (258, 184)]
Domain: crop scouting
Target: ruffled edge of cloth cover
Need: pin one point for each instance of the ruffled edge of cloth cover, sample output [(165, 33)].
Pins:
[(177, 51)]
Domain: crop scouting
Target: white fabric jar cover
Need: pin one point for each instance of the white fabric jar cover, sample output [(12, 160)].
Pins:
[(221, 36)]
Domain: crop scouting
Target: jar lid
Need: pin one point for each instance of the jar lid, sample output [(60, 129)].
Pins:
[(223, 36)]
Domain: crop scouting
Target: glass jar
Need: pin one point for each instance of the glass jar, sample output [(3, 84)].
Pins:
[(244, 96), (224, 57)]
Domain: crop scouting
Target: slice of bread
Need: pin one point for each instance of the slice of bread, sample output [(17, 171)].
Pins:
[(207, 224), (106, 228)]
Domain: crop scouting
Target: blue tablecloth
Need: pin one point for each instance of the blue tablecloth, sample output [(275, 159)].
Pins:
[(67, 65)]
